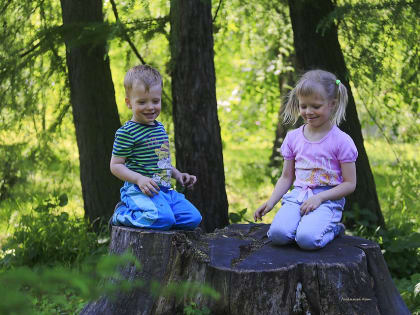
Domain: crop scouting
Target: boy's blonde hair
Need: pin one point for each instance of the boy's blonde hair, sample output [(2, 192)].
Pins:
[(317, 82), (143, 74)]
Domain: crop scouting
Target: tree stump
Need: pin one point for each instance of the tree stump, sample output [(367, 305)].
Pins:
[(348, 276)]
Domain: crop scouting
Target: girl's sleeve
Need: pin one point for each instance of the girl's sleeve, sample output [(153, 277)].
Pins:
[(123, 143), (286, 148), (347, 151)]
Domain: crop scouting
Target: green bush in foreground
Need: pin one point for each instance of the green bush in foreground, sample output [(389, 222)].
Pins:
[(410, 292), (62, 290), (50, 236), (52, 290)]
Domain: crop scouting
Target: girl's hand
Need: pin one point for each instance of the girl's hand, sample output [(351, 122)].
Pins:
[(186, 179), (310, 204), (262, 211), (148, 186)]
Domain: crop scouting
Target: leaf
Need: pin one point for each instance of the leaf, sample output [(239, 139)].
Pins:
[(234, 217), (243, 211), (410, 242), (64, 216), (63, 200), (41, 209)]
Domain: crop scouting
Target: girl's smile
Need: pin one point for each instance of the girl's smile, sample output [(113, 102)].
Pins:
[(316, 111)]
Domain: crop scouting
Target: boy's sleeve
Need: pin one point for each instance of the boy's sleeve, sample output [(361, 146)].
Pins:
[(123, 143), (286, 148), (347, 151)]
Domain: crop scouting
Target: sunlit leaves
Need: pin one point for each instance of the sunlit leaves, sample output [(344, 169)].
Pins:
[(381, 43)]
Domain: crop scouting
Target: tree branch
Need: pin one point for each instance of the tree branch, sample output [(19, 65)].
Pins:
[(127, 38), (31, 49), (217, 10), (125, 35)]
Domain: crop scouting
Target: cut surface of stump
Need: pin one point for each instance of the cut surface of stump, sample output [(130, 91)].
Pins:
[(348, 276)]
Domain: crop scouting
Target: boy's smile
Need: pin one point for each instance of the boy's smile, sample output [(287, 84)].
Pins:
[(145, 105)]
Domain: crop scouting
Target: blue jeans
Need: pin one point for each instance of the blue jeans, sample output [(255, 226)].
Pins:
[(166, 210), (311, 231)]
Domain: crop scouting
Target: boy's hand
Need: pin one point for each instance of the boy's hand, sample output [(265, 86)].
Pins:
[(186, 179), (148, 186), (310, 204), (262, 211)]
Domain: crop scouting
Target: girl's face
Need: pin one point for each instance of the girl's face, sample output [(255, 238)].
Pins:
[(316, 110)]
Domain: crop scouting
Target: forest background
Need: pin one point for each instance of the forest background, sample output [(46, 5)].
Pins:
[(42, 219)]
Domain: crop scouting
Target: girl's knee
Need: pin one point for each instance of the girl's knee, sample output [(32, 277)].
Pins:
[(279, 236), (308, 241)]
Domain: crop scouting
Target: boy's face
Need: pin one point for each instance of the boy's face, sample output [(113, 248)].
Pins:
[(145, 105)]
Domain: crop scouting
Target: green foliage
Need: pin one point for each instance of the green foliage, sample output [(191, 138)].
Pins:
[(63, 290), (11, 171), (410, 292), (401, 250), (237, 217), (363, 218), (253, 70), (193, 309), (58, 289), (380, 43), (47, 235), (398, 189), (400, 246)]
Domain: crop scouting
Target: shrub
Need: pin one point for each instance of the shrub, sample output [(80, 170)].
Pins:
[(410, 292), (49, 236), (61, 290), (400, 247)]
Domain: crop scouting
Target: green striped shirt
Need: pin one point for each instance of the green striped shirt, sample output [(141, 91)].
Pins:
[(146, 149)]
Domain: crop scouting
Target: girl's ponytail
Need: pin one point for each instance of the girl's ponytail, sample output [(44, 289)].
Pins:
[(291, 110), (341, 99)]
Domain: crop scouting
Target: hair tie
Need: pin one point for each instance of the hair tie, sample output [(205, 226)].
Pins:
[(337, 82)]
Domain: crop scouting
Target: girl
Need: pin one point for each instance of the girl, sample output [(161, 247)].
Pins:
[(320, 158)]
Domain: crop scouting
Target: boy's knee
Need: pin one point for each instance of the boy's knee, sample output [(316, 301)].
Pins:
[(307, 240), (280, 236), (196, 220), (193, 221), (166, 221)]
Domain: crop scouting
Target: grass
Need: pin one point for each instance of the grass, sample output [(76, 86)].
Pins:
[(247, 183), (394, 177)]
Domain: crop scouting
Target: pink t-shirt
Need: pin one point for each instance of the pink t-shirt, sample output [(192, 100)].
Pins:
[(317, 163)]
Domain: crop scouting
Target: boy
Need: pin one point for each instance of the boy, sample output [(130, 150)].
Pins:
[(141, 158)]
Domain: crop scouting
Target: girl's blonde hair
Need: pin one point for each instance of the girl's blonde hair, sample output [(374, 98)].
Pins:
[(317, 82)]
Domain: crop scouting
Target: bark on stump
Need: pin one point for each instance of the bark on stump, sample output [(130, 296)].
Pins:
[(348, 276)]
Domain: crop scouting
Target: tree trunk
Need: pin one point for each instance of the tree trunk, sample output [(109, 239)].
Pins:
[(197, 131), (316, 50), (348, 276), (94, 110)]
